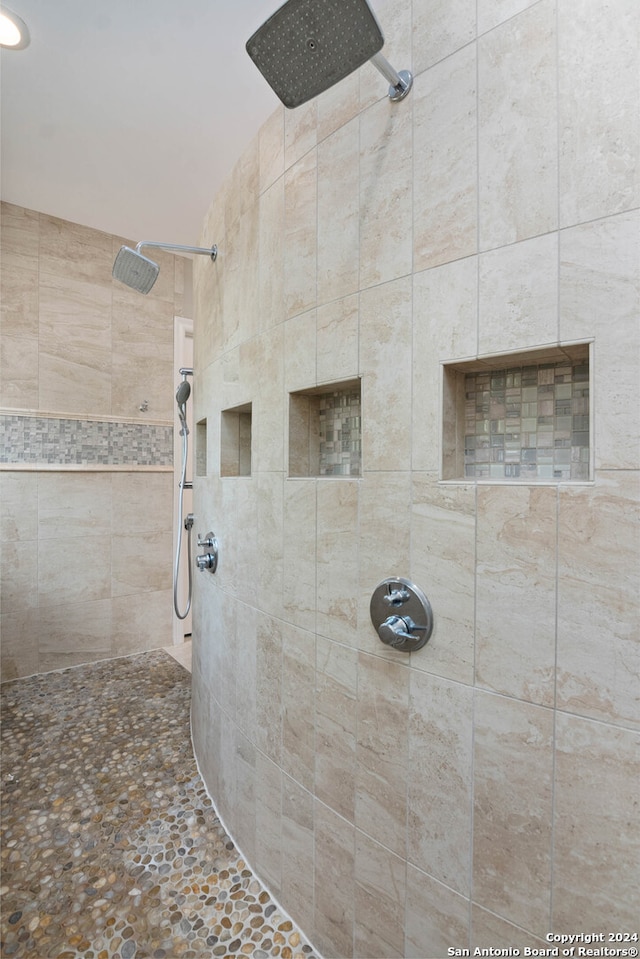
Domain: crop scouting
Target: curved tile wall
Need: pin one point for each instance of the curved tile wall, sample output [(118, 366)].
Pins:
[(402, 805)]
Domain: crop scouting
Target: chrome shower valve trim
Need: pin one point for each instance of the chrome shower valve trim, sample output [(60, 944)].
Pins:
[(401, 614), (208, 560)]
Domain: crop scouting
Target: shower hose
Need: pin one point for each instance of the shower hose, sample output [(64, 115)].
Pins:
[(187, 526)]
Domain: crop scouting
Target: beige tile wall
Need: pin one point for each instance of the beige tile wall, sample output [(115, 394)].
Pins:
[(86, 567), (479, 792)]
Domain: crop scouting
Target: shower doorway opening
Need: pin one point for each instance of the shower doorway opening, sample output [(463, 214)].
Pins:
[(182, 356)]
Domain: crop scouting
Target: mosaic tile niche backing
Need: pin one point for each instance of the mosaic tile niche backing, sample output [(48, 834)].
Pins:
[(340, 427), (528, 422), (61, 442)]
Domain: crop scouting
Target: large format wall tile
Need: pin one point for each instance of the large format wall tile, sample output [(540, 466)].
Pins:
[(516, 592), (338, 214), (383, 518), (443, 544), (436, 917), (269, 821), (270, 562), (517, 128), (300, 235), (299, 555), (19, 574), (71, 570), (139, 620), (380, 892), (298, 712), (382, 754), (493, 12), (74, 345), (334, 882), (518, 305), (385, 365), (445, 168), (600, 299), (297, 840), (439, 29), (336, 562), (75, 633), (445, 327), (75, 504), (74, 252), (337, 342), (513, 763), (385, 193), (599, 584), (599, 58), (269, 688), (271, 150), (18, 507), (336, 726), (439, 797), (489, 931), (19, 652), (19, 307), (269, 415), (271, 256), (594, 804)]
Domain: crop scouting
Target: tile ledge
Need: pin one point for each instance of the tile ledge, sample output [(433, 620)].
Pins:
[(81, 468), (470, 481)]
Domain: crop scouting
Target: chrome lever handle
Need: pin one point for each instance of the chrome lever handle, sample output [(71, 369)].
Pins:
[(397, 630)]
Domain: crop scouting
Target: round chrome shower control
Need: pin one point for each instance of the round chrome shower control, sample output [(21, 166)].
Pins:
[(401, 614)]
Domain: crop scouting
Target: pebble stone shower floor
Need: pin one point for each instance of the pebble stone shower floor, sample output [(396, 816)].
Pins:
[(111, 848)]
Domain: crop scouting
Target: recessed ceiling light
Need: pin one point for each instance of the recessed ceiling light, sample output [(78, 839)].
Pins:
[(14, 34)]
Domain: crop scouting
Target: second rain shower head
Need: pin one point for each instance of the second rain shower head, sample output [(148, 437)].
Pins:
[(307, 46), (134, 269)]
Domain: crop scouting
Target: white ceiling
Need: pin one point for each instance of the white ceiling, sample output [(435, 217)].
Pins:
[(127, 115)]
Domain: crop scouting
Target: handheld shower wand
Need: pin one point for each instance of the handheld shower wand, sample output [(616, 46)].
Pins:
[(182, 395)]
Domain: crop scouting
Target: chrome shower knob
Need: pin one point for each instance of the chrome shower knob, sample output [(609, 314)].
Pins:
[(208, 540)]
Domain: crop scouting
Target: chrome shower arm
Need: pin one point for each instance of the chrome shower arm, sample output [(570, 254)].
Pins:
[(400, 83), (212, 252)]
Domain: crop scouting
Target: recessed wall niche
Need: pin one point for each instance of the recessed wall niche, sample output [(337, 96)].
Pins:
[(201, 448), (522, 417), (235, 441), (325, 431)]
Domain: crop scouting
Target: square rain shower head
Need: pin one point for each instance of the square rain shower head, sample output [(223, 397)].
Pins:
[(135, 270), (307, 46)]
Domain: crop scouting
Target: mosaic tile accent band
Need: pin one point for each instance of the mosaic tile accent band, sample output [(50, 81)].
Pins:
[(62, 442), (340, 433), (529, 422)]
